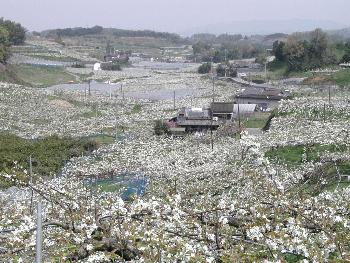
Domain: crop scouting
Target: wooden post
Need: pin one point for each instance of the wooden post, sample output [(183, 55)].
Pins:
[(174, 101), (329, 95), (324, 112), (39, 234)]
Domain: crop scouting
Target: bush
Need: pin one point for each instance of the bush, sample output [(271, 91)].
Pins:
[(345, 59), (160, 128), (204, 68), (111, 66), (230, 70)]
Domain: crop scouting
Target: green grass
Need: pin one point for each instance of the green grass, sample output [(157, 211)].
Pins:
[(10, 75), (54, 58), (109, 186), (136, 109), (257, 121), (341, 77), (294, 154), (103, 139), (48, 154), (42, 76)]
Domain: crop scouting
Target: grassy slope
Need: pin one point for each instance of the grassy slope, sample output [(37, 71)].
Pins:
[(42, 76)]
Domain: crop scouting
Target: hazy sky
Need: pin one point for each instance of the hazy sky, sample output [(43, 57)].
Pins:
[(166, 15)]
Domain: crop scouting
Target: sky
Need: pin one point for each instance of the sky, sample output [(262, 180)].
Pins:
[(166, 15)]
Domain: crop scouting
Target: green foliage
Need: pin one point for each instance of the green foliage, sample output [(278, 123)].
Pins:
[(160, 127), (17, 33), (345, 58), (293, 258), (136, 109), (4, 44), (111, 66), (48, 154), (72, 32), (301, 55), (204, 68), (229, 69)]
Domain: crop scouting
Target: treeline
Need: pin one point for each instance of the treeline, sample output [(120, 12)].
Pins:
[(212, 38), (80, 31), (11, 33), (146, 33), (206, 52), (302, 54), (72, 32)]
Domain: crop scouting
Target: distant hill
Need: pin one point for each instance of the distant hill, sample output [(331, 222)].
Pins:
[(264, 27), (341, 33), (96, 30)]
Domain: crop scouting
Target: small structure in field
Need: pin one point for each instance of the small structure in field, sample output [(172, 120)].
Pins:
[(196, 119), (97, 66)]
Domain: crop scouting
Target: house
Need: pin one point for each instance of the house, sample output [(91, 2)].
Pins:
[(196, 119), (265, 97)]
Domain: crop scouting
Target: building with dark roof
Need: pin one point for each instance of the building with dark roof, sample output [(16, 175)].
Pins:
[(196, 119), (265, 97)]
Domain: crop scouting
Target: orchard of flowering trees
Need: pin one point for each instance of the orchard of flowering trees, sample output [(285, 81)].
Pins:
[(232, 203)]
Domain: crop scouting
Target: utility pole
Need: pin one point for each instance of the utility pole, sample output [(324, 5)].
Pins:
[(225, 63), (31, 181), (211, 132), (89, 81), (213, 87), (239, 121), (39, 233), (121, 90)]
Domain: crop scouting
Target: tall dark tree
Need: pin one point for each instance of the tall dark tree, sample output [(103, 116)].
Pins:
[(4, 44), (17, 33), (277, 50)]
